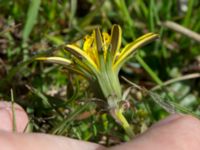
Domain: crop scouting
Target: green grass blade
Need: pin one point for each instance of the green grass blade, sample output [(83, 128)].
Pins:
[(44, 99), (31, 18), (62, 126), (188, 16), (73, 11), (149, 70)]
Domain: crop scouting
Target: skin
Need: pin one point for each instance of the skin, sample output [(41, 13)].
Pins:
[(176, 132), (6, 117)]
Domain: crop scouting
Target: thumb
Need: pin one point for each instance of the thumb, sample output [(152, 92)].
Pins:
[(6, 117)]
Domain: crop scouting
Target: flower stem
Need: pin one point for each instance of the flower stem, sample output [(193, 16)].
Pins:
[(118, 115)]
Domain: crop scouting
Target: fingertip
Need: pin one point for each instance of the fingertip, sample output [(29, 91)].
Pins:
[(6, 117)]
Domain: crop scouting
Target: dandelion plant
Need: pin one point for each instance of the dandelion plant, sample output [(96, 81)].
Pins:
[(99, 59)]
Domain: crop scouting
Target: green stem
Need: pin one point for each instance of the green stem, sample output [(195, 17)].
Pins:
[(118, 115)]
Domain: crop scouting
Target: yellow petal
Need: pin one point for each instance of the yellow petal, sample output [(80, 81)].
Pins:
[(106, 43), (79, 53), (88, 43), (106, 38), (89, 47), (130, 48)]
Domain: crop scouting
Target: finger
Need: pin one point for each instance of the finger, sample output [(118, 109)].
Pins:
[(174, 132), (6, 117), (33, 141), (167, 120)]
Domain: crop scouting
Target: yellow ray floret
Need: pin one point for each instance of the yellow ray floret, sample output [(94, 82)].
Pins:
[(79, 53), (131, 47), (57, 60)]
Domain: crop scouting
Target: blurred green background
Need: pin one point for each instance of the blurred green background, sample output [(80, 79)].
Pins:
[(59, 102)]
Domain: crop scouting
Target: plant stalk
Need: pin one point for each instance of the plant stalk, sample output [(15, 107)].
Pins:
[(119, 117)]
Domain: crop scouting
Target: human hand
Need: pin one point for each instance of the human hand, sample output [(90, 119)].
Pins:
[(176, 132), (32, 141)]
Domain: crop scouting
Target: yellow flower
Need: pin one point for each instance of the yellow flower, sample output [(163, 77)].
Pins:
[(101, 57), (97, 44)]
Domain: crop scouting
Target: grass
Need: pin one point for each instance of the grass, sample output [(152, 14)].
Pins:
[(59, 102)]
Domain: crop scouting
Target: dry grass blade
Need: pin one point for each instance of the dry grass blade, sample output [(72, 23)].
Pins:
[(183, 30), (182, 78)]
